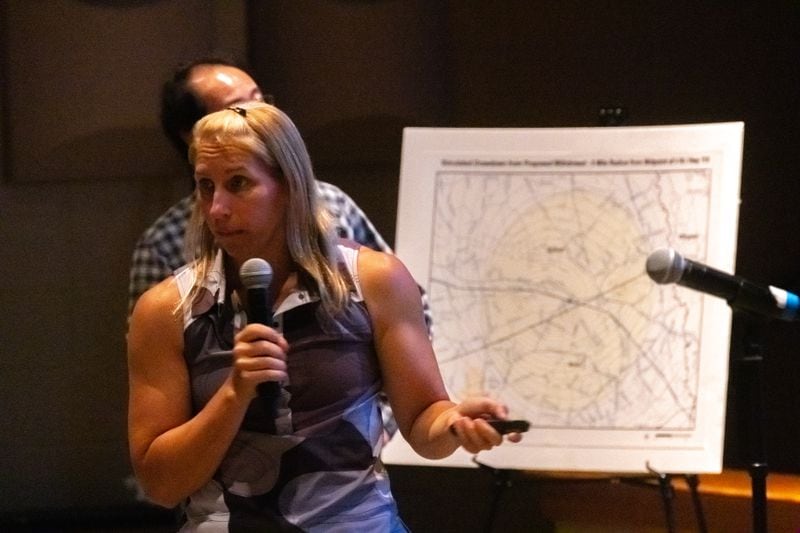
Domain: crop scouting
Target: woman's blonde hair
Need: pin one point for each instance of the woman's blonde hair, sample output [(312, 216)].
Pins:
[(264, 131)]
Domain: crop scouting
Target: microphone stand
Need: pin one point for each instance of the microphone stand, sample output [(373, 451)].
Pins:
[(749, 368)]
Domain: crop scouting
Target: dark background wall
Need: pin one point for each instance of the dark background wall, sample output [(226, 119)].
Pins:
[(84, 169)]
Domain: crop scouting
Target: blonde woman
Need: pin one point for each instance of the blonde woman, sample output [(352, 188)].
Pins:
[(348, 325)]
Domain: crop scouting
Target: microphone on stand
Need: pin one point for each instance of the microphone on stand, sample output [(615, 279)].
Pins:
[(256, 276), (668, 266)]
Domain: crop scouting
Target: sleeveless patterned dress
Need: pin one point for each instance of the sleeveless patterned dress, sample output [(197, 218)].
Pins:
[(316, 466)]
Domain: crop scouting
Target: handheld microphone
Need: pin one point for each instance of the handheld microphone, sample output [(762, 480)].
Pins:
[(256, 276), (668, 266)]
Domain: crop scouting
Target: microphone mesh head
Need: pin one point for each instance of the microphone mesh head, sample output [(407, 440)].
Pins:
[(255, 273), (665, 266)]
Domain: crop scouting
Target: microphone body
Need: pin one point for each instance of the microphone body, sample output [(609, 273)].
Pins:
[(256, 276), (668, 266)]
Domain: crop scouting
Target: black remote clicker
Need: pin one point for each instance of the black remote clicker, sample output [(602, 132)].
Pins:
[(505, 426), (509, 426)]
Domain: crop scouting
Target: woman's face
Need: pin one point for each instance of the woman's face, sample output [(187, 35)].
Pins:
[(243, 202)]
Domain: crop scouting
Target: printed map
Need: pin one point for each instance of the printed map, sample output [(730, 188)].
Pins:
[(538, 289), (531, 246)]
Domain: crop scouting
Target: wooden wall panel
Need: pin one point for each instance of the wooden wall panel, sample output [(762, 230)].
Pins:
[(82, 80), (88, 171)]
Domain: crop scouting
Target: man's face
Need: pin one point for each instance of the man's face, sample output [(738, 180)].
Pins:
[(221, 86)]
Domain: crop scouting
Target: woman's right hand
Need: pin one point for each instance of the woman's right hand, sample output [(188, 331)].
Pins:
[(259, 355)]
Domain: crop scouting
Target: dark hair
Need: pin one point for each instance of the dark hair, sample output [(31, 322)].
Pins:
[(180, 107)]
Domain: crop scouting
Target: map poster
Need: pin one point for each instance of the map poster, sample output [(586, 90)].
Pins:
[(531, 245)]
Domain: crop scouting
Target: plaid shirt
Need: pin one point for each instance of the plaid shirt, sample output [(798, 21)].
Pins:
[(160, 249)]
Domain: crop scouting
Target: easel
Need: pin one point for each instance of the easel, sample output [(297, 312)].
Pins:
[(502, 480), (664, 482)]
